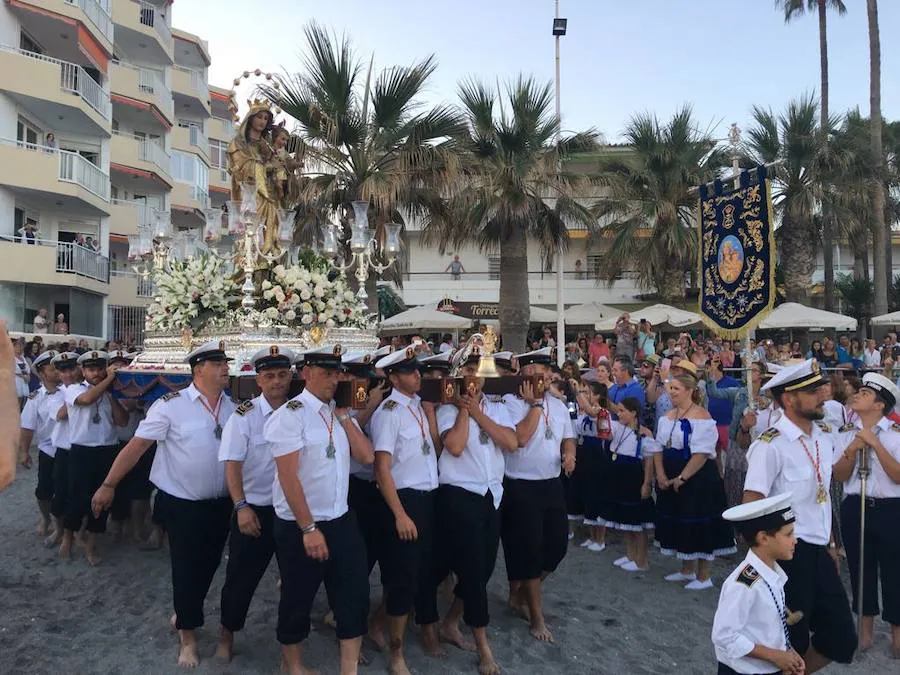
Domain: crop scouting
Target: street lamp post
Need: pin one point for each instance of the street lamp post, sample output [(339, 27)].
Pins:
[(559, 29)]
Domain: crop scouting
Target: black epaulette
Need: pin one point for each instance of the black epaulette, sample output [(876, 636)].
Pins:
[(769, 434), (294, 405), (244, 408), (748, 576), (33, 394), (171, 395), (824, 426), (849, 427), (390, 404), (895, 427)]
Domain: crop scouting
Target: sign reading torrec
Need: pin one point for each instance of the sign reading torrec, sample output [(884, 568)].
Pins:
[(470, 310)]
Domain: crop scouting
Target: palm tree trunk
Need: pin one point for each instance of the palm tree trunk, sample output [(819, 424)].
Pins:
[(880, 234), (514, 294), (798, 259), (827, 224)]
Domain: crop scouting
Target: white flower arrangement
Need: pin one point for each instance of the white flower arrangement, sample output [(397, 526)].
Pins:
[(189, 293)]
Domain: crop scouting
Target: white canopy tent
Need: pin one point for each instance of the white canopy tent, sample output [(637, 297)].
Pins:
[(660, 317), (891, 319), (423, 319), (541, 315), (592, 314), (795, 315)]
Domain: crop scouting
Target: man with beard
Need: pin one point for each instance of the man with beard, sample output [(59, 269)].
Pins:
[(93, 417), (249, 474), (796, 455), (192, 503)]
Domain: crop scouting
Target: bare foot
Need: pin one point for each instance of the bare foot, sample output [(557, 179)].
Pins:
[(300, 670), (53, 539), (154, 541), (453, 636), (397, 666), (92, 558), (187, 655), (65, 547), (868, 639), (362, 660), (540, 632), (225, 648), (431, 642), (376, 635), (42, 528), (519, 608), (488, 667)]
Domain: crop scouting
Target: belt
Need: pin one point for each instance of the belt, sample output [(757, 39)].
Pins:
[(883, 502)]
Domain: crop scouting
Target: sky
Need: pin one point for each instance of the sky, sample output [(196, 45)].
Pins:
[(620, 57)]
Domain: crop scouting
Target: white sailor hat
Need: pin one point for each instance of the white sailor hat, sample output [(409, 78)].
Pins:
[(770, 513), (381, 351), (543, 356), (44, 358), (323, 357), (799, 377), (886, 390), (504, 360), (437, 361), (120, 355), (358, 363), (93, 359), (772, 368), (214, 350), (273, 356), (400, 361), (65, 360)]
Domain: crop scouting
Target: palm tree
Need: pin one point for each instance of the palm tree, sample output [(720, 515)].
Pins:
[(514, 189), (794, 141), (792, 10), (363, 139), (649, 216), (880, 231), (857, 295)]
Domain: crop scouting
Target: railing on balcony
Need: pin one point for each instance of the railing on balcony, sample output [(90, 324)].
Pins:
[(198, 82), (75, 80), (73, 168), (201, 195), (98, 15), (146, 213), (198, 139), (588, 277), (151, 151), (144, 282), (72, 258), (152, 82), (153, 16)]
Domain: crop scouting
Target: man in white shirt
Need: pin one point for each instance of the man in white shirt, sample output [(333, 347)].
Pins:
[(404, 436), (446, 344), (192, 503), (93, 417), (316, 535), (875, 434), (535, 523), (249, 474), (476, 433), (796, 455), (66, 365), (41, 321), (37, 422), (871, 355)]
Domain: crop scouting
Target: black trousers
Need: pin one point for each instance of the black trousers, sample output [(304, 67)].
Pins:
[(248, 558), (60, 504), (43, 491), (365, 499), (406, 566), (535, 527), (197, 533), (88, 467), (344, 573), (728, 670), (137, 485), (882, 554), (470, 528), (815, 589)]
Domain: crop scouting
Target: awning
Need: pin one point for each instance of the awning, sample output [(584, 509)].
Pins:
[(795, 315), (138, 173), (141, 105)]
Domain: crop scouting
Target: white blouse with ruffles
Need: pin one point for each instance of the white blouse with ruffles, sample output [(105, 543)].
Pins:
[(703, 438)]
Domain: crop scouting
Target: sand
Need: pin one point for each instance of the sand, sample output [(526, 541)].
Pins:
[(60, 617)]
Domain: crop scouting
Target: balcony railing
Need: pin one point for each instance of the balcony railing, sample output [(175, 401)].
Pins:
[(144, 281), (152, 83), (198, 139), (152, 16), (198, 82), (75, 80), (73, 168), (75, 259), (97, 14), (151, 151), (146, 214), (201, 195)]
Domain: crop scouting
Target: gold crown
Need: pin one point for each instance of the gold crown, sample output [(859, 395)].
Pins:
[(258, 105)]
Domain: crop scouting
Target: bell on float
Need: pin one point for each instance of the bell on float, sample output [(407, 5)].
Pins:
[(487, 366)]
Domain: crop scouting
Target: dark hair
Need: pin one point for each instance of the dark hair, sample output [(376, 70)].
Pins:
[(626, 363), (631, 404), (599, 390), (750, 534), (268, 128)]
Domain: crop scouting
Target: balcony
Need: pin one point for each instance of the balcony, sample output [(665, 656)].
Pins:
[(140, 25), (191, 139), (128, 288), (191, 90), (188, 204), (142, 153), (219, 180), (143, 86), (46, 18), (221, 129), (66, 178), (57, 90), (127, 216), (54, 263)]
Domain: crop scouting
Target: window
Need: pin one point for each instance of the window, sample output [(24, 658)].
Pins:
[(26, 133), (28, 44), (594, 266), (218, 154), (188, 168), (493, 267)]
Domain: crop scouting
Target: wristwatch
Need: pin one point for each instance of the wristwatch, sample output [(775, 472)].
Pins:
[(309, 528), (538, 404), (240, 504), (343, 417)]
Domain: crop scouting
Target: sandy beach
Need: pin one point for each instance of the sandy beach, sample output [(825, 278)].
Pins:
[(113, 620)]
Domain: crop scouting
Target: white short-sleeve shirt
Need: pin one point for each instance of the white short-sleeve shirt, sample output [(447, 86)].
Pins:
[(60, 434), (301, 425), (187, 462), (540, 459), (879, 484), (400, 428), (39, 416), (777, 462), (243, 440), (480, 467), (90, 425)]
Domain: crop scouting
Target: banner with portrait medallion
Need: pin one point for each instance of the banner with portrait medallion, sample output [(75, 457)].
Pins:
[(737, 254)]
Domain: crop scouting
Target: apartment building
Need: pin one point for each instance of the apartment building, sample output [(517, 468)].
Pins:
[(105, 112)]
